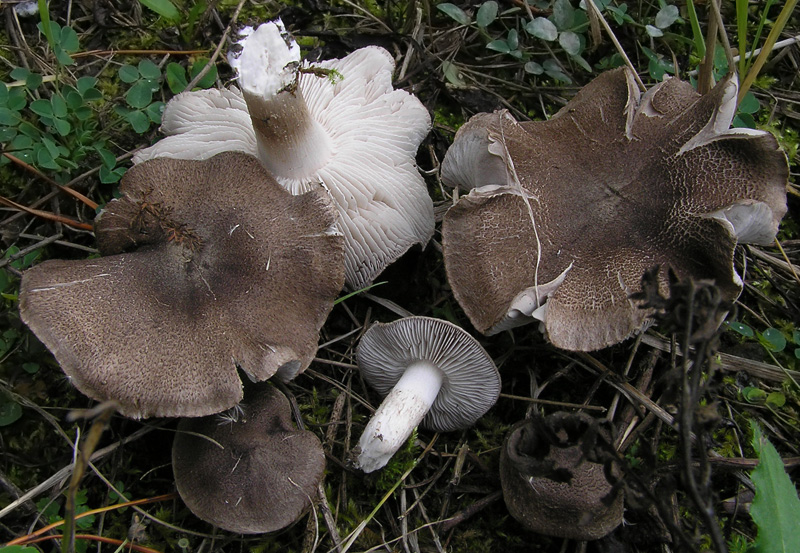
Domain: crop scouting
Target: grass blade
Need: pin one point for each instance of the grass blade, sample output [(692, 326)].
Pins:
[(776, 507)]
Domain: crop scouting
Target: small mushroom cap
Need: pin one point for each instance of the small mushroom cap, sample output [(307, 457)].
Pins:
[(471, 383), (258, 475), (207, 266), (549, 484), (583, 204)]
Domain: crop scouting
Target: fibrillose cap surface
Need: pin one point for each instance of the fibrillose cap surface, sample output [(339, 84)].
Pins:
[(207, 266), (471, 383), (577, 208), (557, 488), (263, 477)]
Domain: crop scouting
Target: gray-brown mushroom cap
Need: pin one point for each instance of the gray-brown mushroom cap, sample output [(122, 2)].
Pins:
[(207, 266), (551, 486), (563, 228), (258, 475)]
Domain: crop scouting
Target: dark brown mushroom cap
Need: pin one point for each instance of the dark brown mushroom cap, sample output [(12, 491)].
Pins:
[(259, 474), (550, 484), (208, 265), (609, 187)]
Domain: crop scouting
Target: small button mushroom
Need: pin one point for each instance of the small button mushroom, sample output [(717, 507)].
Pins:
[(337, 124), (432, 372), (255, 475), (207, 267), (563, 217), (552, 482)]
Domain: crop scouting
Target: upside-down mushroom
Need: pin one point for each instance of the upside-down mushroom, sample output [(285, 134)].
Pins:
[(336, 124), (254, 475), (563, 217), (206, 267), (432, 372)]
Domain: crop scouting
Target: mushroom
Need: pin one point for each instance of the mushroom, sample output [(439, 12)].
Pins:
[(207, 266), (336, 124), (552, 481), (255, 475), (433, 371), (563, 217)]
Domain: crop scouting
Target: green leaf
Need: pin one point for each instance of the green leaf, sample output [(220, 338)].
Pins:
[(542, 28), (110, 176), (3, 94), (563, 14), (654, 32), (8, 117), (140, 95), (583, 63), (455, 13), (776, 400), (44, 159), (513, 39), (666, 16), (773, 339), (63, 127), (209, 78), (452, 74), (533, 68), (164, 8), (85, 83), (63, 58), (154, 112), (30, 368), (742, 329), (149, 70), (42, 108), (33, 81), (176, 77), (553, 70), (59, 105), (749, 103), (486, 15), (128, 74), (16, 100), (499, 45), (10, 411), (570, 42), (19, 73), (51, 148), (69, 39), (138, 121), (753, 395), (7, 134), (776, 507)]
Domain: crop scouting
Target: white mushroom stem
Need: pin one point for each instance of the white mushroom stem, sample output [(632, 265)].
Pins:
[(290, 142), (398, 415)]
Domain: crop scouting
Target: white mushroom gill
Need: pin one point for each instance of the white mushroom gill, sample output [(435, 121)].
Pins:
[(401, 411), (291, 143)]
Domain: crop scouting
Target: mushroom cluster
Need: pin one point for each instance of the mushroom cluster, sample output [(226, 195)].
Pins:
[(563, 217), (431, 372), (207, 267), (337, 125)]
